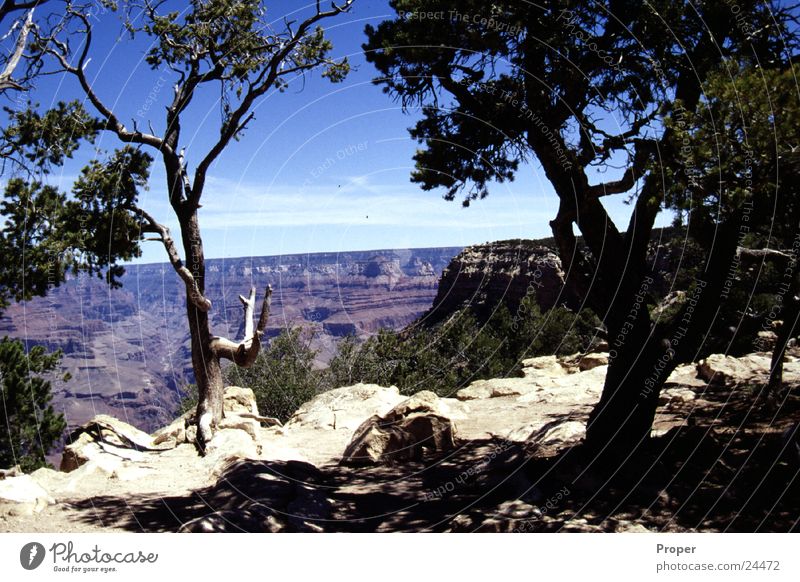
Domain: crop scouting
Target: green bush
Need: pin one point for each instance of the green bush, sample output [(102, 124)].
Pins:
[(461, 349), (283, 376), (31, 424)]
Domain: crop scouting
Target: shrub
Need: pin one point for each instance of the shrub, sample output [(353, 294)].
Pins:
[(283, 376), (31, 424)]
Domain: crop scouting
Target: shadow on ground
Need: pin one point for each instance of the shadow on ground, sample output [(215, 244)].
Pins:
[(727, 468)]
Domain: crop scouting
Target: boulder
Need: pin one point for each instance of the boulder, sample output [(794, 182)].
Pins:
[(624, 526), (254, 519), (345, 408), (22, 495), (767, 340), (174, 433), (102, 438), (228, 445), (685, 375), (592, 361), (406, 432), (235, 422), (543, 365), (556, 435), (496, 388), (728, 371), (676, 396), (239, 399)]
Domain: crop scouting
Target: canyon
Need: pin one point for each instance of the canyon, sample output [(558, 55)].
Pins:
[(127, 350)]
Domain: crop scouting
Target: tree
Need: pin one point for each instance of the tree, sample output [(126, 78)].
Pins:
[(746, 141), (31, 426), (36, 254), (220, 47), (579, 86)]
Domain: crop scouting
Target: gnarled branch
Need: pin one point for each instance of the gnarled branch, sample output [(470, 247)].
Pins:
[(60, 51), (6, 82), (266, 79), (244, 353), (634, 172), (192, 289)]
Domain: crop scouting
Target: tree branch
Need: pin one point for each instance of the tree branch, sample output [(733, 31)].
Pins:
[(193, 293), (6, 82), (112, 123), (632, 174), (234, 124), (244, 353), (9, 6)]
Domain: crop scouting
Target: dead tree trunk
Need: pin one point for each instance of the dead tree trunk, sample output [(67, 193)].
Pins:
[(208, 350)]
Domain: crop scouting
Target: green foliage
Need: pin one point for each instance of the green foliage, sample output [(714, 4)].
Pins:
[(510, 80), (283, 376), (31, 426), (101, 222), (557, 331), (741, 141), (47, 234), (191, 396), (462, 349), (39, 141), (233, 42), (744, 166), (31, 247)]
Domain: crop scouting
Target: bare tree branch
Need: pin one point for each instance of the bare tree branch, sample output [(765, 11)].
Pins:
[(244, 353), (633, 173), (6, 82), (192, 290), (234, 124), (60, 51), (9, 6)]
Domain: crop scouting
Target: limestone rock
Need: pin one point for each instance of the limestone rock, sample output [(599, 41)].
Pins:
[(496, 388), (685, 375), (591, 361), (543, 366), (236, 422), (174, 433), (104, 436), (255, 519), (556, 435), (728, 371), (767, 340), (22, 495), (676, 396), (345, 408), (229, 444), (624, 526), (404, 433), (238, 399)]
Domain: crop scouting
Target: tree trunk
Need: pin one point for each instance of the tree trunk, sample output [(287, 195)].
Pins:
[(638, 366), (646, 354), (205, 360)]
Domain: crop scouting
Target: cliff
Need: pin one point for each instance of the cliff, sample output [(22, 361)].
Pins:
[(482, 276)]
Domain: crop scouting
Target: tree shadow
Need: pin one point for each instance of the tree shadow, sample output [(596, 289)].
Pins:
[(710, 474)]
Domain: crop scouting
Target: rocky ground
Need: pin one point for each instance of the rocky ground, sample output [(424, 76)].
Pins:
[(500, 455)]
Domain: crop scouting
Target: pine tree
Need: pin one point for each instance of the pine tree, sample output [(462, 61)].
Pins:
[(31, 426)]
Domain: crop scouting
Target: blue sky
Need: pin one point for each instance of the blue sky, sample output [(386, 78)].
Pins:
[(324, 167)]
